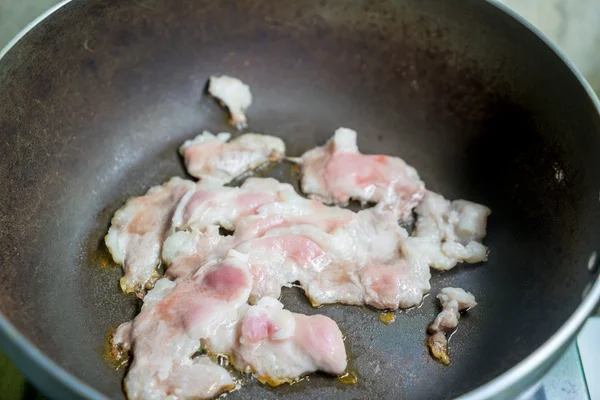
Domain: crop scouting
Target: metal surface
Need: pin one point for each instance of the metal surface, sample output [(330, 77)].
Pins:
[(96, 99), (589, 346)]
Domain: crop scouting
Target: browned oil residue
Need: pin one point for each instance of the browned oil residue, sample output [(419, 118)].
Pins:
[(116, 359), (314, 303), (104, 260), (348, 378), (438, 350), (99, 256), (296, 169), (273, 382), (388, 317)]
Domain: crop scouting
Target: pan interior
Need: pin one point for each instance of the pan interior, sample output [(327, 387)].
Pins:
[(96, 99)]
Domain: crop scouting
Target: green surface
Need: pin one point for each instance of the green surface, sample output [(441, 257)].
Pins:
[(13, 385)]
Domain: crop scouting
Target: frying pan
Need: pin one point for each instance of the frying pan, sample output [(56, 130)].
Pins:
[(98, 95)]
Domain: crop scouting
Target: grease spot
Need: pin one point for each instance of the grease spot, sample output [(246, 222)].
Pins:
[(348, 379), (388, 317)]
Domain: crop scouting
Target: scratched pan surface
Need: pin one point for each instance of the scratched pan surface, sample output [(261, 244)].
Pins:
[(97, 98)]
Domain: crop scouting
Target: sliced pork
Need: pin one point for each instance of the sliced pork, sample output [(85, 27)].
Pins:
[(261, 206), (218, 299), (167, 332), (359, 262), (452, 300), (138, 229), (291, 209), (447, 233), (210, 311), (185, 251), (218, 160), (337, 172), (369, 266), (233, 94), (225, 206), (278, 346), (336, 255)]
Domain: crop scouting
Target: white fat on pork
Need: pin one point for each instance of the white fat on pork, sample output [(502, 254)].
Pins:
[(358, 262), (447, 233), (185, 251), (138, 229), (261, 206), (336, 255), (217, 160), (452, 300), (337, 172), (175, 319), (290, 209), (233, 94), (367, 266), (279, 346), (210, 310), (225, 206)]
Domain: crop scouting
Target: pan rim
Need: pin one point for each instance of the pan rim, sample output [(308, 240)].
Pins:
[(7, 330), (491, 389), (569, 329)]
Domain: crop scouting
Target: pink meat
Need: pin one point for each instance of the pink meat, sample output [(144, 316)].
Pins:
[(218, 160), (210, 309), (338, 172)]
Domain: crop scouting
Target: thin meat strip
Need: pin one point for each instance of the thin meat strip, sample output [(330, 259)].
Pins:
[(210, 310), (261, 205), (336, 255), (218, 160), (453, 300), (279, 346), (367, 265), (138, 230), (447, 233), (291, 209), (359, 263), (233, 94), (225, 206), (337, 172), (177, 318), (185, 251)]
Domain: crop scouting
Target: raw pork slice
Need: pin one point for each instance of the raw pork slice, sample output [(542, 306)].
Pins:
[(279, 346), (453, 300), (225, 206), (218, 160), (138, 229), (233, 94), (336, 255), (183, 323), (337, 172), (447, 233)]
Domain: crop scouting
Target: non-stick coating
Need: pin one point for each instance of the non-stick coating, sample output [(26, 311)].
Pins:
[(95, 101)]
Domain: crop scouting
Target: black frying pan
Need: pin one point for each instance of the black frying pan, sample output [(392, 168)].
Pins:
[(95, 100)]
